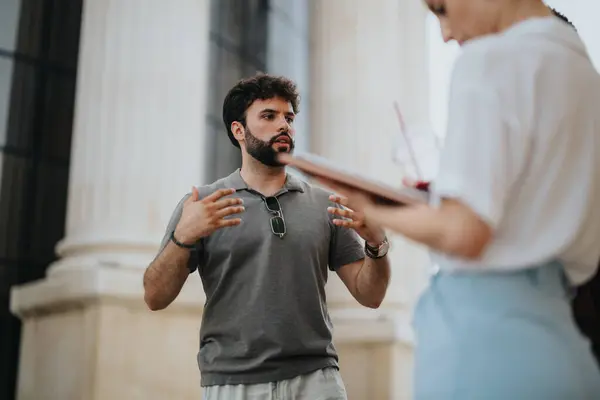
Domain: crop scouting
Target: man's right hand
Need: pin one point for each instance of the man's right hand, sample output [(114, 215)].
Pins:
[(200, 218)]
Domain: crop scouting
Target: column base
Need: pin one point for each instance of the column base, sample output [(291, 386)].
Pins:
[(87, 334), (103, 250)]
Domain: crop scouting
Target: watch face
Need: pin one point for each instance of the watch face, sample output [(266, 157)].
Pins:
[(381, 250), (384, 247)]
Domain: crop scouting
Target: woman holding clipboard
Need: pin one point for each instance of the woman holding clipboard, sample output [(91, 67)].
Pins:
[(514, 217)]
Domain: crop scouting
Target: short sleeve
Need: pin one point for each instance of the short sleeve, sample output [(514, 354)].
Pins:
[(483, 151), (193, 260), (346, 246)]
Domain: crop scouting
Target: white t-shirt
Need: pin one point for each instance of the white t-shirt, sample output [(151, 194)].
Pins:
[(522, 148)]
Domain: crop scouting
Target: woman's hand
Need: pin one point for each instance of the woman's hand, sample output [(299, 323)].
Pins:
[(452, 228)]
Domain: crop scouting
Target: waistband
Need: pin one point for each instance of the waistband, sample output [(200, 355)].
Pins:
[(549, 276)]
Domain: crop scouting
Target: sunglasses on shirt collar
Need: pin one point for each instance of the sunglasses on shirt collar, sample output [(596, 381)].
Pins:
[(277, 221)]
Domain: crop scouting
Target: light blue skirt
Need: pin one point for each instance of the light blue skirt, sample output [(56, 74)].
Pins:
[(505, 336)]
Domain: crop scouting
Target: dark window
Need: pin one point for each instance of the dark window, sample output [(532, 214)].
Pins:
[(39, 42), (238, 47)]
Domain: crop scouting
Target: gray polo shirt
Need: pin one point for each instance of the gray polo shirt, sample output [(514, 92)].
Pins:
[(265, 317)]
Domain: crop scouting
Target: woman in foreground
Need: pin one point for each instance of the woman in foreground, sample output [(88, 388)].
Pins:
[(514, 222)]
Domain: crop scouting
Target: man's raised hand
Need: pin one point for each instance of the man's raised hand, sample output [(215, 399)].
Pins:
[(200, 218)]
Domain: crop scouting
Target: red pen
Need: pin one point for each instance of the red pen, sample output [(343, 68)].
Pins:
[(419, 184), (422, 185)]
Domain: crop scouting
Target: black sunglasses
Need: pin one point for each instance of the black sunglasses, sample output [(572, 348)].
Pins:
[(277, 221)]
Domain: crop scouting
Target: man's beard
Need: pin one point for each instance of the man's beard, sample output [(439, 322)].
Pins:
[(264, 151)]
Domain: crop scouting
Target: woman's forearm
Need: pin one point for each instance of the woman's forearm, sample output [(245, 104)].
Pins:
[(451, 229)]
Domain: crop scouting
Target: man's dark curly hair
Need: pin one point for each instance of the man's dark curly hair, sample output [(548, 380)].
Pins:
[(258, 87), (561, 16)]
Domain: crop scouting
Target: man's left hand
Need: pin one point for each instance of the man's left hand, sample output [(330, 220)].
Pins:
[(355, 218)]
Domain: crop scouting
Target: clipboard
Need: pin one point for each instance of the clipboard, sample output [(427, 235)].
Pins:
[(382, 194)]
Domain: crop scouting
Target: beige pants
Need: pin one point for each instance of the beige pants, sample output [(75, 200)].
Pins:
[(324, 384)]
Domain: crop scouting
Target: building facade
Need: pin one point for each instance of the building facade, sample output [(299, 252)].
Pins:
[(147, 83), (110, 112)]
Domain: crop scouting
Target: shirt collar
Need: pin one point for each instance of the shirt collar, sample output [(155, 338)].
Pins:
[(552, 28), (235, 181)]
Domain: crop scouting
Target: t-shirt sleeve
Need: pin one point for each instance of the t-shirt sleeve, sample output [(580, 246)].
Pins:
[(346, 246), (484, 151), (193, 260)]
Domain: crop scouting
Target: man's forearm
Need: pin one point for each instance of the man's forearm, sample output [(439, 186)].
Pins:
[(372, 281), (165, 276)]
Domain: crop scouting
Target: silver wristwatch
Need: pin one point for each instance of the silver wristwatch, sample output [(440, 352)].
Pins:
[(379, 251)]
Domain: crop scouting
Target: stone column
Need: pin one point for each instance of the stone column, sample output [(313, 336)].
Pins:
[(138, 146), (365, 56), (138, 135)]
